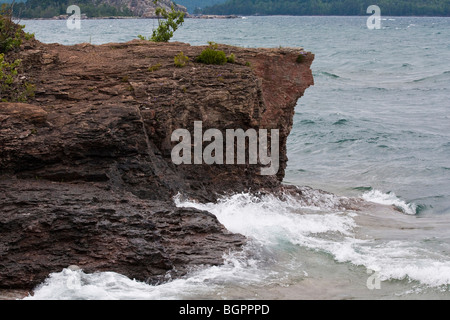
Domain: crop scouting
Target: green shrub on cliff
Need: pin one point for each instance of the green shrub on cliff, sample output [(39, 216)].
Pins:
[(11, 34), (212, 55), (231, 58), (12, 87), (155, 67), (8, 71), (8, 74), (181, 60)]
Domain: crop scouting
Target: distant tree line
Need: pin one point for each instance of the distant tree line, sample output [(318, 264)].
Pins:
[(330, 7), (192, 5), (50, 8), (11, 1)]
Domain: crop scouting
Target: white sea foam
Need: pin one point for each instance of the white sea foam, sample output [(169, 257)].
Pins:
[(204, 282), (377, 196), (269, 219), (274, 227)]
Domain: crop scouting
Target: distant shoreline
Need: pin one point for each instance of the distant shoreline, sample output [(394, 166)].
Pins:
[(207, 17), (65, 17)]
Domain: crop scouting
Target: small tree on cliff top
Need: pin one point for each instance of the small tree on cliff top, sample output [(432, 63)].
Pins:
[(11, 34), (171, 22), (13, 87)]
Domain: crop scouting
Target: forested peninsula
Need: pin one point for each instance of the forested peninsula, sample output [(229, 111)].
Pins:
[(330, 7), (32, 9), (138, 8)]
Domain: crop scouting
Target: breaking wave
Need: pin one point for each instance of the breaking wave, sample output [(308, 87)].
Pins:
[(390, 198), (279, 229)]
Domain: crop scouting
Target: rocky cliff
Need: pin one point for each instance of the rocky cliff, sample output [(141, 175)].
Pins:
[(86, 176)]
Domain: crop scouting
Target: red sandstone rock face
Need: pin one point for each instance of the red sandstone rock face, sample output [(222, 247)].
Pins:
[(97, 88), (86, 176), (283, 83)]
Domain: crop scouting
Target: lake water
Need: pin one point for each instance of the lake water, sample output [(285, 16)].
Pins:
[(376, 125)]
